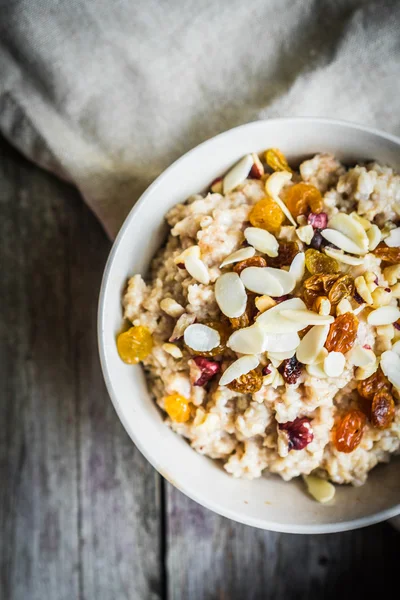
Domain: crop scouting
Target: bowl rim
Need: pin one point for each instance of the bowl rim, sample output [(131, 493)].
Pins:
[(314, 528)]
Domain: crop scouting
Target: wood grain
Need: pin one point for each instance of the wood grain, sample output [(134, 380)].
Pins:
[(80, 507)]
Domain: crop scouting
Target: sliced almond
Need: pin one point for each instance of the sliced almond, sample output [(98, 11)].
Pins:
[(343, 307), (257, 170), (316, 370), (274, 342), (374, 237), (262, 240), (334, 364), (276, 362), (306, 317), (362, 373), (285, 278), (249, 340), (361, 357), (201, 338), (362, 289), (341, 241), (197, 269), (282, 355), (273, 187), (390, 365), (363, 222), (241, 254), (396, 347), (271, 321), (238, 174), (241, 366), (385, 315), (172, 349), (305, 233), (264, 303), (230, 295), (260, 281), (191, 251), (298, 266), (278, 380), (350, 228), (322, 354), (342, 257), (171, 307), (320, 489), (312, 343), (393, 239)]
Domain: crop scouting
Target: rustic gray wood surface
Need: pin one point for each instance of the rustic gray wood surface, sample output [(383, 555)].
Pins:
[(82, 514)]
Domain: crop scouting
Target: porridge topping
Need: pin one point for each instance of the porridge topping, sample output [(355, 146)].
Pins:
[(270, 329)]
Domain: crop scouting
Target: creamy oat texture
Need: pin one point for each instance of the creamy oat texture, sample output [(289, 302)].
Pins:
[(239, 429)]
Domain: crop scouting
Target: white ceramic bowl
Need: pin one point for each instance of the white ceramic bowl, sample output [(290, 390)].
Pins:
[(268, 502)]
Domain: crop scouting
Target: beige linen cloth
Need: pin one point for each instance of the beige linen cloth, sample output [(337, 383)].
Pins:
[(106, 94)]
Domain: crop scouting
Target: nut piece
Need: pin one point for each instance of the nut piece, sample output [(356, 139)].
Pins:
[(320, 489), (216, 186), (363, 222), (381, 297), (322, 306), (386, 331), (262, 240), (171, 307), (238, 174), (264, 303), (362, 373), (257, 170), (392, 274), (239, 255), (396, 290), (385, 315), (362, 289), (239, 367), (343, 307), (374, 237), (305, 234), (172, 349)]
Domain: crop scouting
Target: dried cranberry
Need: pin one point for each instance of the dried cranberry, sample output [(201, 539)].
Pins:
[(180, 265), (266, 370), (207, 369), (358, 298), (290, 370), (396, 325), (318, 221), (386, 289), (367, 347), (317, 240), (299, 432)]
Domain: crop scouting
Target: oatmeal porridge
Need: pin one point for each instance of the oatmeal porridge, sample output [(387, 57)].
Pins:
[(269, 326)]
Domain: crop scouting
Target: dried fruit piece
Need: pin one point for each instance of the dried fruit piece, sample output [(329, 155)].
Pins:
[(389, 255), (254, 261), (249, 383), (290, 369), (317, 240), (375, 383), (321, 283), (316, 263), (286, 253), (342, 288), (206, 370), (177, 407), (382, 410), (349, 431), (266, 214), (276, 160), (342, 333), (135, 344), (239, 367), (318, 221), (223, 330), (303, 198), (237, 256), (299, 432)]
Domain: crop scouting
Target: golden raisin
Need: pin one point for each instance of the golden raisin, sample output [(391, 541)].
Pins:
[(349, 431), (249, 383), (135, 344), (309, 297), (266, 214), (286, 253), (276, 160), (303, 198), (382, 410), (254, 261), (342, 333), (177, 407), (317, 262), (224, 331), (374, 383), (321, 284), (342, 288), (389, 255)]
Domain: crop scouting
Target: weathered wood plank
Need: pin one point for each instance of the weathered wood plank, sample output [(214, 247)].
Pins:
[(209, 557), (79, 506)]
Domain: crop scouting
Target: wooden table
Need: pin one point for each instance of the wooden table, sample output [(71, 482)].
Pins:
[(83, 515)]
